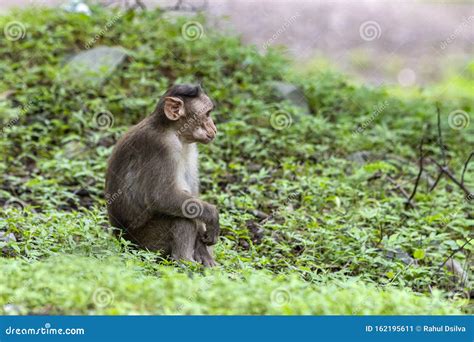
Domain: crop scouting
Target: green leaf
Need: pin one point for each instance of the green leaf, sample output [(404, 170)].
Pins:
[(419, 254)]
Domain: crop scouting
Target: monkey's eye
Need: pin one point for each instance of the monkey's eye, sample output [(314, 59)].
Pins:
[(208, 114)]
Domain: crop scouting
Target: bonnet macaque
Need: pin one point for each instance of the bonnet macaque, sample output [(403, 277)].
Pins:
[(154, 168)]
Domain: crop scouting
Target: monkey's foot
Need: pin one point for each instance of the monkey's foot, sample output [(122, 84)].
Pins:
[(202, 255)]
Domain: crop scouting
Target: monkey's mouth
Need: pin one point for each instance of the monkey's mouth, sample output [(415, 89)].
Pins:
[(207, 140)]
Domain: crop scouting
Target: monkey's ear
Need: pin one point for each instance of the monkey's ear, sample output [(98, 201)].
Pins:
[(174, 108)]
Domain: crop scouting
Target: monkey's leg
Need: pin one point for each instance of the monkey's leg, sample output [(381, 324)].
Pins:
[(184, 234), (155, 235), (203, 253)]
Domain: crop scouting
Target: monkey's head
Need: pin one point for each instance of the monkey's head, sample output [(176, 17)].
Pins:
[(187, 110)]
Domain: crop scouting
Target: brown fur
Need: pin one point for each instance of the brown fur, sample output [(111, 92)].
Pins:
[(154, 169)]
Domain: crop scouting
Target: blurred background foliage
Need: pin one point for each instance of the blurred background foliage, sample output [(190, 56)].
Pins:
[(313, 215)]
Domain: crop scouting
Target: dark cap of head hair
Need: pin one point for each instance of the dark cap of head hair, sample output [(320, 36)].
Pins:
[(181, 91), (184, 90)]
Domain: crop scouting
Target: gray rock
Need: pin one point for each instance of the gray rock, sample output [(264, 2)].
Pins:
[(12, 309), (95, 65), (290, 92), (401, 255), (4, 237), (455, 267), (360, 157), (77, 6)]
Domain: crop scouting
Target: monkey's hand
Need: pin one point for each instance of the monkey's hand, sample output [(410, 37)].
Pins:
[(211, 234)]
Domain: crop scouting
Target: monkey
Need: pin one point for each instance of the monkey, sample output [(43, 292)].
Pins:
[(154, 169)]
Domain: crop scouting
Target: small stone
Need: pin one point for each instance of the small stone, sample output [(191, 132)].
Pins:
[(400, 255), (290, 92), (12, 309), (4, 237), (360, 157), (95, 65), (456, 268)]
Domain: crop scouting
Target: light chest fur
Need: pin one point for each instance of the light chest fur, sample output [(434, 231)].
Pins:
[(187, 174)]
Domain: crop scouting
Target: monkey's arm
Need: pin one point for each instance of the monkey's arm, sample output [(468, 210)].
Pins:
[(182, 204)]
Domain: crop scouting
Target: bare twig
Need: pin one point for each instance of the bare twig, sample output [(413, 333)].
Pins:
[(436, 181), (440, 136), (402, 191), (140, 4), (465, 167), (449, 174), (409, 201), (180, 5), (453, 253)]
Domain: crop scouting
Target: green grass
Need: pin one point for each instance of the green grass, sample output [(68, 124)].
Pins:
[(334, 225)]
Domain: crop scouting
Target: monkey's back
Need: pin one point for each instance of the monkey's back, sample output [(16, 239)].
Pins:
[(129, 173)]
